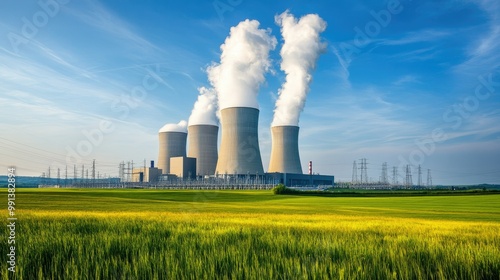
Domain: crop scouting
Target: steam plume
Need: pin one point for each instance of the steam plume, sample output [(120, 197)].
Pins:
[(205, 108), (243, 63), (301, 49), (174, 127)]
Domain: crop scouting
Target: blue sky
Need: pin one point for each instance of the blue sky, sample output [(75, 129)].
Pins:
[(420, 86)]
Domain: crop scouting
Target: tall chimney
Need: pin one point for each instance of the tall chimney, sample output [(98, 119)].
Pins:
[(172, 144), (239, 149), (202, 143), (285, 150)]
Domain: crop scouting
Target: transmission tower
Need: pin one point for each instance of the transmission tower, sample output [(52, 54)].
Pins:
[(93, 171), (83, 171), (132, 172), (419, 181), (383, 179), (128, 171), (395, 175), (429, 178), (408, 179), (364, 171), (144, 173), (121, 171), (354, 172), (58, 175)]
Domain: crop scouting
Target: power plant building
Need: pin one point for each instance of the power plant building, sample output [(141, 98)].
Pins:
[(239, 150), (202, 145), (183, 167), (299, 180), (146, 174), (172, 144), (238, 155), (285, 150)]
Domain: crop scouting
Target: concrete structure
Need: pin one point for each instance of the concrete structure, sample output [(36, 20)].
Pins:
[(146, 174), (301, 180), (172, 144), (202, 145), (183, 167), (285, 150), (239, 150)]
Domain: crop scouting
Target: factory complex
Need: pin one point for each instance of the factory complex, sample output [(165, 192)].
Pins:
[(237, 159), (232, 103)]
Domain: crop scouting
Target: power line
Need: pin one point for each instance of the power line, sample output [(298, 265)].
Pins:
[(21, 144)]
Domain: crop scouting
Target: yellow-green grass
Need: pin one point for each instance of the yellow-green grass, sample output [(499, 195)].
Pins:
[(147, 234)]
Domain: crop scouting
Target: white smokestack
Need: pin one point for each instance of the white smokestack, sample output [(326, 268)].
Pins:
[(243, 63), (301, 49), (205, 108)]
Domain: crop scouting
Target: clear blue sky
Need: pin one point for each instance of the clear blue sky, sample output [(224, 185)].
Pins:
[(394, 75)]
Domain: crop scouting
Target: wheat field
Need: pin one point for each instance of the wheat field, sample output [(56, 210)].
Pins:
[(143, 234)]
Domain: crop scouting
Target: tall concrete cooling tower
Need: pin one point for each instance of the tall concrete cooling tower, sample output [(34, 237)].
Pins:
[(172, 144), (285, 150), (202, 142), (239, 149)]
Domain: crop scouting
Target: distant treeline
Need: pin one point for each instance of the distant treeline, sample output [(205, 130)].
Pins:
[(281, 189)]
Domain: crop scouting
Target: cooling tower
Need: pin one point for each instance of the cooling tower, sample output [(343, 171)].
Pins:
[(285, 150), (202, 143), (239, 149), (172, 144)]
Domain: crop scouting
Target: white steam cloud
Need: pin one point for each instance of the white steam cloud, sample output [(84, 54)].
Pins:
[(205, 108), (243, 63), (175, 127), (301, 49)]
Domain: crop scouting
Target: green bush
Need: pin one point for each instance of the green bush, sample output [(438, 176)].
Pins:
[(279, 189), (282, 189)]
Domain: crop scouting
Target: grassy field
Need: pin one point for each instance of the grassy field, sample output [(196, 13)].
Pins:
[(148, 234)]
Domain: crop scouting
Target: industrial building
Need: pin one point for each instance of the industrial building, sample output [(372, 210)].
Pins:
[(238, 158), (296, 180), (202, 143), (146, 174), (285, 150), (239, 150), (183, 167), (172, 144)]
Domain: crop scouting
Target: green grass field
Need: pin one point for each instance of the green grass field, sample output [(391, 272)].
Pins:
[(149, 234)]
